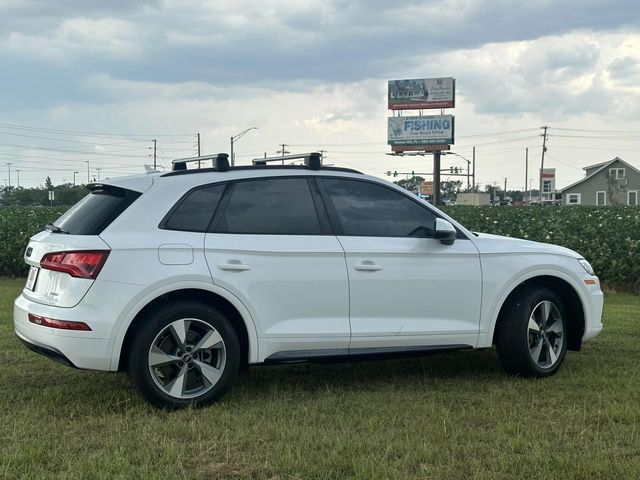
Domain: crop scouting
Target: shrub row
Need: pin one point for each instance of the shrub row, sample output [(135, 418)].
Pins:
[(608, 237)]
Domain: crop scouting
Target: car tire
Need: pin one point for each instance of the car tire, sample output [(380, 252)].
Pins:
[(532, 333), (185, 353)]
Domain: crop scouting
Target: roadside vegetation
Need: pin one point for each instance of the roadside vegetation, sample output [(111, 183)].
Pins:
[(447, 416), (608, 237)]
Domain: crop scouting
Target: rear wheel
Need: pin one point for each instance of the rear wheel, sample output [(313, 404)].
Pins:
[(532, 339), (186, 353)]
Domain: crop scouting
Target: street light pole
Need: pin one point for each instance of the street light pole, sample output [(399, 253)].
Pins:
[(74, 178), (88, 181), (98, 169), (18, 172), (236, 138), (9, 165)]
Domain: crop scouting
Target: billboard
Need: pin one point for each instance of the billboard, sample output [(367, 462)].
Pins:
[(422, 93), (420, 130)]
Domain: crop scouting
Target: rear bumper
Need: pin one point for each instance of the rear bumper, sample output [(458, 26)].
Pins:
[(73, 348), (45, 350)]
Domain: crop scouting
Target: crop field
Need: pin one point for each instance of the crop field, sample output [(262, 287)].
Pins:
[(608, 237), (449, 416)]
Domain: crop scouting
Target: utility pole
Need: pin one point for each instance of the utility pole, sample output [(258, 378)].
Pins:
[(283, 151), (98, 169), (88, 181), (9, 165), (436, 177), (74, 178), (473, 177), (198, 148), (155, 145), (526, 172), (505, 187), (544, 149), (18, 172)]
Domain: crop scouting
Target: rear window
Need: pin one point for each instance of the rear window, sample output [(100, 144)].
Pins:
[(96, 211)]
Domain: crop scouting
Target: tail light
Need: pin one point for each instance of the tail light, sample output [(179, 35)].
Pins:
[(61, 324), (79, 264)]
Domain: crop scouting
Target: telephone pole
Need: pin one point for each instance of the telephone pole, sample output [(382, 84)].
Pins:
[(544, 149), (526, 172), (155, 144), (18, 172), (198, 134), (9, 165), (283, 151), (473, 177)]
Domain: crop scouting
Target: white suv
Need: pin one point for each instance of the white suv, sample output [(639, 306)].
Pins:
[(183, 278)]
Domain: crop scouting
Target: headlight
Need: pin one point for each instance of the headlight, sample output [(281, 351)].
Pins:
[(587, 266)]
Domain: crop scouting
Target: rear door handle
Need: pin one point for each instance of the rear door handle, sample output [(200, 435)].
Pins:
[(367, 267), (234, 266)]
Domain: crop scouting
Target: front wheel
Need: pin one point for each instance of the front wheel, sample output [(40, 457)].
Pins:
[(532, 338), (185, 353)]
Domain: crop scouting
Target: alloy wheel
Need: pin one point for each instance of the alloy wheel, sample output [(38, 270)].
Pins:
[(187, 358), (546, 334)]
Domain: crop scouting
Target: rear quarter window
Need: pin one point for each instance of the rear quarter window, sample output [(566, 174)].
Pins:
[(96, 211)]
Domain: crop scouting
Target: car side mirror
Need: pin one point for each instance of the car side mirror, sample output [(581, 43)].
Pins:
[(445, 231)]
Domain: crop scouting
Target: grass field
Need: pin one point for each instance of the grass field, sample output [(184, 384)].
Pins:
[(448, 416)]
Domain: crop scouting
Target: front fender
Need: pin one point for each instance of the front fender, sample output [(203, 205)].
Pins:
[(495, 302)]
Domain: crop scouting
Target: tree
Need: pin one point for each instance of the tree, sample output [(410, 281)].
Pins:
[(48, 184), (412, 184), (450, 188)]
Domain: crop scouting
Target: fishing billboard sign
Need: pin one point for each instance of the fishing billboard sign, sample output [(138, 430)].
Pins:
[(421, 130)]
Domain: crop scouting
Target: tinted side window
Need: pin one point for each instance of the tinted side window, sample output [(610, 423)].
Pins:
[(271, 206), (194, 211), (96, 211), (367, 209)]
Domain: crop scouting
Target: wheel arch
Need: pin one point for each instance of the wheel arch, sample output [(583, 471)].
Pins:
[(223, 301), (571, 301)]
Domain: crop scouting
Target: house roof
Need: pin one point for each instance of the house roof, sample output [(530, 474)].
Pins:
[(589, 167), (601, 166)]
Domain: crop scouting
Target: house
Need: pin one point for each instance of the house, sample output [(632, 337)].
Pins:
[(615, 183)]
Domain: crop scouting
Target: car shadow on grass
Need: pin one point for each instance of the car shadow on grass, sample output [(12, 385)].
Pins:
[(85, 392)]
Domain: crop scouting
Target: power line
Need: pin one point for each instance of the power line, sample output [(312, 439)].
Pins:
[(91, 134)]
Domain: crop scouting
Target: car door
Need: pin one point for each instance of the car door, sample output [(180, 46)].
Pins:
[(272, 246), (407, 289)]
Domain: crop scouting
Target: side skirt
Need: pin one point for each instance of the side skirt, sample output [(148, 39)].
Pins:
[(360, 354)]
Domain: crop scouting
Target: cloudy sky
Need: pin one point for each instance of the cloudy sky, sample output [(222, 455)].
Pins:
[(95, 81)]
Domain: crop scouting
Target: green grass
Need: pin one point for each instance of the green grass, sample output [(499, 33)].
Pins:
[(447, 416)]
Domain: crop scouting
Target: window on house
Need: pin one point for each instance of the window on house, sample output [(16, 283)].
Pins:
[(574, 199), (601, 199), (632, 198), (616, 173)]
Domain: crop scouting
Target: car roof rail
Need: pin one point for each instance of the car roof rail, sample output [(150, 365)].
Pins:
[(220, 162), (312, 160)]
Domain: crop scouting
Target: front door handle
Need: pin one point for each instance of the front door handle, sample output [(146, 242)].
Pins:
[(367, 266), (234, 266)]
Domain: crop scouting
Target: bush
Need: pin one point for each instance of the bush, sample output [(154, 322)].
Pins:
[(606, 236), (17, 225)]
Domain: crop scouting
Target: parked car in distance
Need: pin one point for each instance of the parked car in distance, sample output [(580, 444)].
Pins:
[(183, 278)]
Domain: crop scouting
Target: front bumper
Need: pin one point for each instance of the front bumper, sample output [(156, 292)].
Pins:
[(73, 348), (593, 326)]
